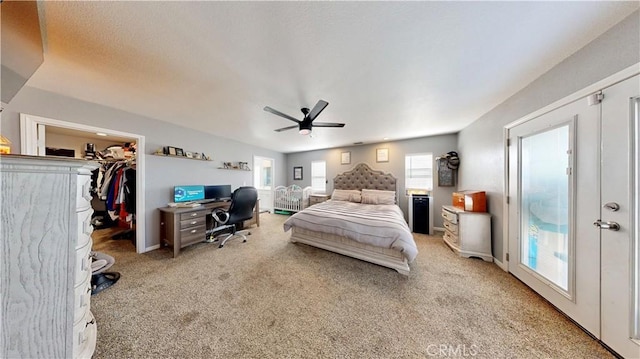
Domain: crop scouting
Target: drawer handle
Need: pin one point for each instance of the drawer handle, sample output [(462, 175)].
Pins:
[(194, 230), (194, 222), (193, 214)]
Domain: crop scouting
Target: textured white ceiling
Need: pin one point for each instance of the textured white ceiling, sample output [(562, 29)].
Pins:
[(388, 69)]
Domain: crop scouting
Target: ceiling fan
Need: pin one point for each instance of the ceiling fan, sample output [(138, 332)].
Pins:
[(304, 126)]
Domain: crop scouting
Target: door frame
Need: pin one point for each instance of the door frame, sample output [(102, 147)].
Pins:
[(29, 146), (273, 174), (591, 89)]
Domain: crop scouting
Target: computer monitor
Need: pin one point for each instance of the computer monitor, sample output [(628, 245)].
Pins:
[(188, 193), (218, 193)]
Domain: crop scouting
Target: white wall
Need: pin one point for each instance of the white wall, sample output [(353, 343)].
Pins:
[(480, 145), (367, 154), (162, 173)]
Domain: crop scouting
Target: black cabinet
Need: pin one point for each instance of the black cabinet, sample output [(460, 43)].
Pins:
[(419, 216)]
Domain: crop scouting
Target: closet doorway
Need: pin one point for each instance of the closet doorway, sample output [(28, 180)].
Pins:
[(40, 136)]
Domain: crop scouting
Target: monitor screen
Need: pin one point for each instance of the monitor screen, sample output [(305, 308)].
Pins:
[(188, 193), (221, 192)]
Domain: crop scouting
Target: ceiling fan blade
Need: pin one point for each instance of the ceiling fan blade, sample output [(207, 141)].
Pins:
[(276, 112), (327, 124), (287, 128), (317, 109)]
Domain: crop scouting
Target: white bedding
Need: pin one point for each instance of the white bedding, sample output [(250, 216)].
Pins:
[(377, 225)]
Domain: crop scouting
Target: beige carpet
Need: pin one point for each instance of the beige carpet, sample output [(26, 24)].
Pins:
[(269, 298)]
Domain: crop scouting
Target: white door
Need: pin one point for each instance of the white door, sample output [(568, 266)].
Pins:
[(263, 181), (619, 205), (553, 201), (573, 212)]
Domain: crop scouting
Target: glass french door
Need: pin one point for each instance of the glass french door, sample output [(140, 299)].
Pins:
[(553, 201), (573, 212)]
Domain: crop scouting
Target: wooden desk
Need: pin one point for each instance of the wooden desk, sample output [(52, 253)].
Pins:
[(183, 226)]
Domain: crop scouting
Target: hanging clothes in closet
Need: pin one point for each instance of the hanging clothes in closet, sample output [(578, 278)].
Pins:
[(117, 186)]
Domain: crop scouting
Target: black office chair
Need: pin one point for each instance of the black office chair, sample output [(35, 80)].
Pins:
[(243, 200)]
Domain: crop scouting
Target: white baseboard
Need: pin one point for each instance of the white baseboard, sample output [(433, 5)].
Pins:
[(152, 248), (438, 229), (502, 265)]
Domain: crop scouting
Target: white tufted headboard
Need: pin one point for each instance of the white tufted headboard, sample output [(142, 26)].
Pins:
[(362, 176)]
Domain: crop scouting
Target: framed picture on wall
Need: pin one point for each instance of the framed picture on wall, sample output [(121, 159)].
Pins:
[(345, 158), (382, 155), (297, 173)]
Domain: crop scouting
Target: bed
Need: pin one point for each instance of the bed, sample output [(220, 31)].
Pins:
[(292, 198), (373, 232)]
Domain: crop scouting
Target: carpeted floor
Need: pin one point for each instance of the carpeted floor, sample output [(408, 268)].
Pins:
[(269, 298)]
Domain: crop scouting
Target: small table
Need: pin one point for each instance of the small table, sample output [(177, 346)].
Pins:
[(318, 198)]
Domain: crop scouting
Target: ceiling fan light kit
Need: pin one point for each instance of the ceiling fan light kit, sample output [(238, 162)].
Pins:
[(305, 126)]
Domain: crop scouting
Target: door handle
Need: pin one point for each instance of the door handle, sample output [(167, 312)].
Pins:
[(614, 226)]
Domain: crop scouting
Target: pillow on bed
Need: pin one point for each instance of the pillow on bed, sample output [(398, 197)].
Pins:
[(373, 196), (346, 195)]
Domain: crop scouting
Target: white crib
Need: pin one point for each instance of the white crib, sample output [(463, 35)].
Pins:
[(293, 198)]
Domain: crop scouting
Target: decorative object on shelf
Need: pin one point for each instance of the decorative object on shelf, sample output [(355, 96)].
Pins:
[(168, 151), (297, 173), (382, 155), (240, 166), (345, 158)]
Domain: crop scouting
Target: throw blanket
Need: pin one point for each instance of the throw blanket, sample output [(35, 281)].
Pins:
[(379, 225)]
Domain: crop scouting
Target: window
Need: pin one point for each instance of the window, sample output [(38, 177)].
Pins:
[(318, 176), (418, 177)]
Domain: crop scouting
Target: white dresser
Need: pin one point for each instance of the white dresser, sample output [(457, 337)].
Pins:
[(46, 269), (467, 233)]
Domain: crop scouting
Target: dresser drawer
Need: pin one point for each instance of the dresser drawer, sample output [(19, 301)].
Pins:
[(450, 216), (82, 300), (84, 227), (192, 235), (450, 237), (451, 227), (83, 333), (86, 347), (195, 214), (83, 263), (83, 196), (193, 222)]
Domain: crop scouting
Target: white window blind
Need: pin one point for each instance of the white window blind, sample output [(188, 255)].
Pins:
[(418, 172), (318, 176)]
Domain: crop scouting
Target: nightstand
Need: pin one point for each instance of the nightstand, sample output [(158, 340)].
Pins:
[(318, 198)]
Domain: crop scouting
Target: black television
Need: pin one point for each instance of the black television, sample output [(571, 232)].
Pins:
[(218, 193)]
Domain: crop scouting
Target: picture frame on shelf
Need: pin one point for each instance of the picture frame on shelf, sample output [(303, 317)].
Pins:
[(345, 158), (188, 154), (297, 173), (171, 151), (179, 152), (197, 155), (382, 155)]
